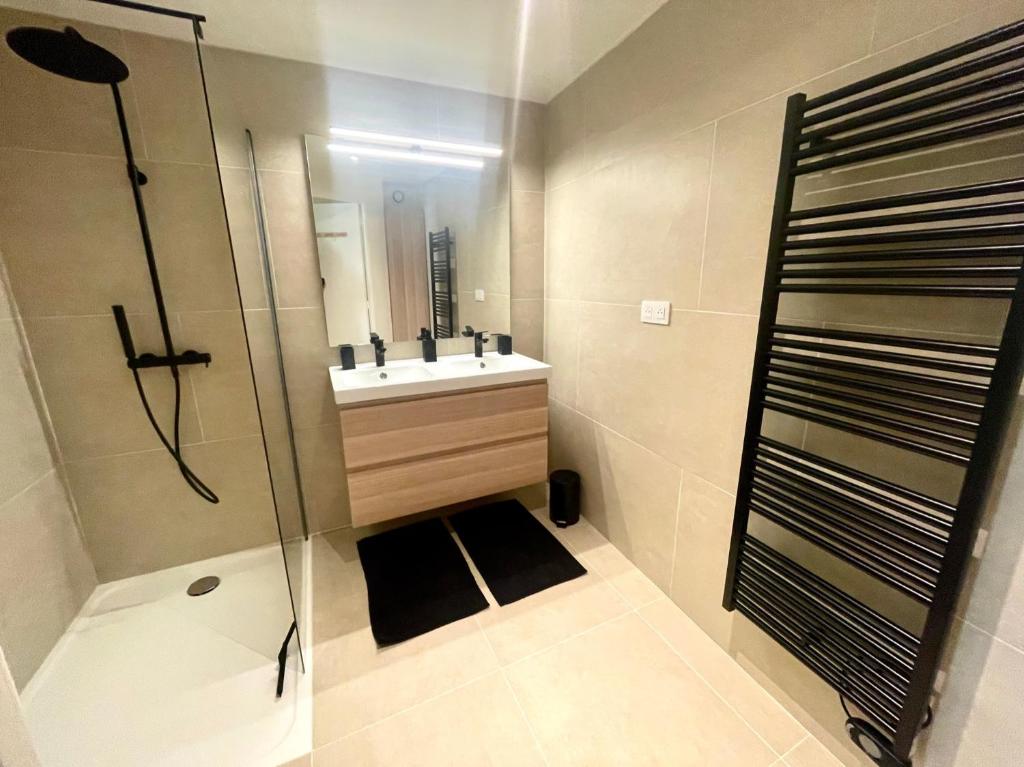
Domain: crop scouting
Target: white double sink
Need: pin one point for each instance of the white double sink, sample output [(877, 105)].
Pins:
[(413, 377)]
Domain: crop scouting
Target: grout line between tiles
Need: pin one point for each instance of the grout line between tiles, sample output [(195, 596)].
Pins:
[(795, 746), (529, 724), (707, 214), (512, 691), (713, 689), (407, 709), (675, 536)]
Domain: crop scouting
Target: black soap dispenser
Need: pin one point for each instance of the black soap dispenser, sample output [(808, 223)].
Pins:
[(504, 343), (429, 345), (348, 357)]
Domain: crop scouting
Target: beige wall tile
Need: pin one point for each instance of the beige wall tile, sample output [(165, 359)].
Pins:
[(527, 245), (563, 138), (24, 452), (91, 394), (46, 111), (7, 309), (562, 226), (86, 255), (307, 356), (492, 731), (996, 590), (244, 233), (528, 147), (470, 116), (626, 207), (896, 21), (292, 239), (169, 94), (703, 532), (561, 348), (626, 698), (528, 327), (759, 709), (746, 163), (190, 235), (630, 376), (978, 713), (45, 574), (137, 497), (324, 482), (685, 56), (629, 494), (224, 400)]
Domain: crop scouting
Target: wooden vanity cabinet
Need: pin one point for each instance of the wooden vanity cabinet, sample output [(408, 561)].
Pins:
[(409, 455)]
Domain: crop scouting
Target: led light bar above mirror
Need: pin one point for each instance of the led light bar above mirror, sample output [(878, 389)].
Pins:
[(410, 155), (413, 143)]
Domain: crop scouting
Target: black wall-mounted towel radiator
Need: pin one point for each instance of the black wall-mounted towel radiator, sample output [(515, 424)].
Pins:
[(939, 396), (441, 283)]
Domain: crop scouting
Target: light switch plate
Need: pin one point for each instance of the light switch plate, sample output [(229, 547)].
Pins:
[(478, 294), (656, 312)]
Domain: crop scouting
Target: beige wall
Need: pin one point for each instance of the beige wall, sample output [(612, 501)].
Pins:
[(660, 176), (72, 248), (45, 573), (281, 101)]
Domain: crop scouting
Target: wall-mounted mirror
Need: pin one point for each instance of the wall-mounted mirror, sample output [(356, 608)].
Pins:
[(409, 236)]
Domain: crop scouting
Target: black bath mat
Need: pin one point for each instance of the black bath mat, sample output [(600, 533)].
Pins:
[(514, 552), (417, 580)]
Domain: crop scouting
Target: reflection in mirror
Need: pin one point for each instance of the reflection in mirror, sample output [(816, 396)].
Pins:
[(409, 235)]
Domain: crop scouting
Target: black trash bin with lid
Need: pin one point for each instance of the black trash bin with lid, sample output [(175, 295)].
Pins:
[(564, 501)]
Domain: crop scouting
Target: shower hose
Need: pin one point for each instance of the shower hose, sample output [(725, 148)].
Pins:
[(174, 449)]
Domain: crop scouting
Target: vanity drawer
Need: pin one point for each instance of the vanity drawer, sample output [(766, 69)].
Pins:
[(411, 455), (406, 488), (395, 432)]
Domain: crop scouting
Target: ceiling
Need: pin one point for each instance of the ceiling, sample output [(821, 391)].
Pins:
[(529, 48)]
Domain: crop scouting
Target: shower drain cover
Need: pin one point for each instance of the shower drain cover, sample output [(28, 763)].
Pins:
[(203, 586)]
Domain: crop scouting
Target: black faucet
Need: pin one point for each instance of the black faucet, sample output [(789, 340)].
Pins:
[(429, 345), (479, 339), (378, 349)]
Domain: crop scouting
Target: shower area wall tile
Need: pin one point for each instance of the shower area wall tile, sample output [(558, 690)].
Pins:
[(91, 393), (224, 399), (71, 240), (138, 497), (24, 453), (45, 573), (47, 113), (177, 129)]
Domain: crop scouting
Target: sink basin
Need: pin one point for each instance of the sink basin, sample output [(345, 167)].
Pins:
[(387, 376), (409, 378), (490, 364)]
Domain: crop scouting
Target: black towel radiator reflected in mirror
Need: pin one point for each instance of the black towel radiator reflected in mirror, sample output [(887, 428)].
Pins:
[(443, 300), (944, 398)]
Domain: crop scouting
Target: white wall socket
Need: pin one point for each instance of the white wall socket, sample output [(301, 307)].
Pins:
[(656, 312), (478, 294)]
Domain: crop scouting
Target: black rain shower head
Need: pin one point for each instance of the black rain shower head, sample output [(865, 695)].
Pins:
[(67, 54)]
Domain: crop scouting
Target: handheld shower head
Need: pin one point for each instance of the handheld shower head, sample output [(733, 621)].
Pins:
[(67, 54)]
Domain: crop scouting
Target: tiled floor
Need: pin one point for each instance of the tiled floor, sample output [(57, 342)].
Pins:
[(603, 670)]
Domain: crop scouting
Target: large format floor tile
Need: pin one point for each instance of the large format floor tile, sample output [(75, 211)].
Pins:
[(601, 670), (478, 724), (356, 683), (619, 695)]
